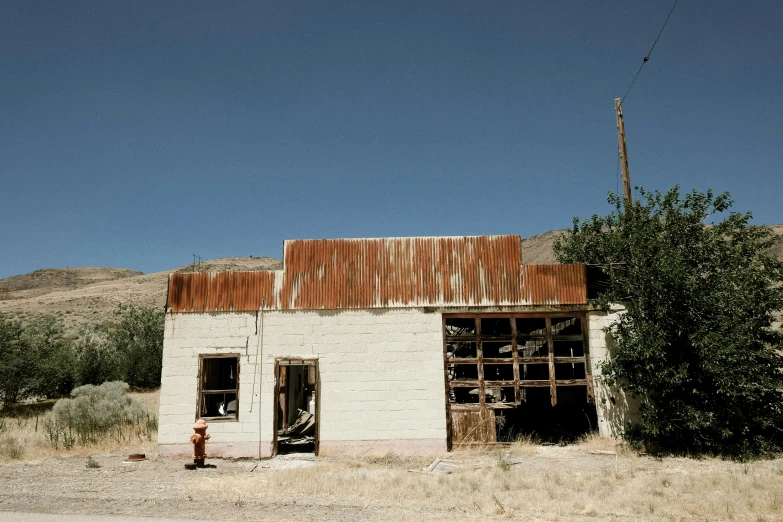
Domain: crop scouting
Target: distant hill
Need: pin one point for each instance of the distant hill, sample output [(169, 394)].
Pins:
[(537, 250), (47, 279), (81, 295)]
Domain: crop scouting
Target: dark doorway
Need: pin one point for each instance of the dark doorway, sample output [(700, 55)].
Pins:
[(296, 406)]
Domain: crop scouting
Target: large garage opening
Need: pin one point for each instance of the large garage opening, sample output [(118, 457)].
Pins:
[(515, 375), (296, 407)]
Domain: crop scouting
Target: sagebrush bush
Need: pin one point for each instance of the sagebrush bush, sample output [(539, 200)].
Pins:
[(10, 448), (98, 413)]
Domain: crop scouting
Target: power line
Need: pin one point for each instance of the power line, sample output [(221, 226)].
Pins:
[(647, 57)]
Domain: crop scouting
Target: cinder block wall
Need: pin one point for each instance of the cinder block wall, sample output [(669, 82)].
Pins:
[(381, 378), (615, 408), (187, 336)]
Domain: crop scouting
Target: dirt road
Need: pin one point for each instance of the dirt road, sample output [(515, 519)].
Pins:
[(533, 483)]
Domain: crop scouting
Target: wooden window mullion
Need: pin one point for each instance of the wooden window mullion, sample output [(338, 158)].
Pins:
[(586, 351), (480, 357), (551, 350), (515, 356)]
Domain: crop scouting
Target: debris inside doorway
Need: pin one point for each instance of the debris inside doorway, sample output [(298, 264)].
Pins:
[(300, 433), (296, 416)]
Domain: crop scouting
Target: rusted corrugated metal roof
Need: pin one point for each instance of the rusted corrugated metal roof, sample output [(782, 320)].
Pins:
[(554, 284), (221, 291), (411, 271), (386, 273)]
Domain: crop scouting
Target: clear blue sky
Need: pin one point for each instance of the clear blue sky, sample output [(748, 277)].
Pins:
[(133, 134)]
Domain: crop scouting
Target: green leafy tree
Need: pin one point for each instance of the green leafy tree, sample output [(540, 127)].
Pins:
[(137, 335), (696, 341), (17, 361), (54, 361), (96, 361)]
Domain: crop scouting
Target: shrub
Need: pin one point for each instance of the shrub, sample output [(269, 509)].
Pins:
[(97, 413), (92, 463), (11, 448)]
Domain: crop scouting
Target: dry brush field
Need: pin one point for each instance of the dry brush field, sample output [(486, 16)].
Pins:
[(593, 480)]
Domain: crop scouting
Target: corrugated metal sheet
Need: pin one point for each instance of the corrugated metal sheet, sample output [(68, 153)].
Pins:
[(221, 291), (554, 284), (387, 272), (372, 273)]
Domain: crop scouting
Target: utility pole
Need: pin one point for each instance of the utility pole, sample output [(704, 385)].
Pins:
[(618, 109)]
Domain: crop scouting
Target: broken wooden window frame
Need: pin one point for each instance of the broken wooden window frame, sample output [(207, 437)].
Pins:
[(551, 360), (202, 360)]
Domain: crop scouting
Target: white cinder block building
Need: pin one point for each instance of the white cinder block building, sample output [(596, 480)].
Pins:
[(404, 344)]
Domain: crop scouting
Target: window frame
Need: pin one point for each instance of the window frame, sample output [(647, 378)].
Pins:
[(199, 397), (516, 359)]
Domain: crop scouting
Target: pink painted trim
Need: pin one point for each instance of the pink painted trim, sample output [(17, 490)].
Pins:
[(225, 450), (380, 447)]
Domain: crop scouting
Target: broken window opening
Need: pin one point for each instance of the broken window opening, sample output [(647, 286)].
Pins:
[(512, 375), (462, 350), (466, 395), (498, 372), (494, 328), (463, 372), (219, 387), (533, 348), (527, 326), (534, 372), (569, 348), (497, 349)]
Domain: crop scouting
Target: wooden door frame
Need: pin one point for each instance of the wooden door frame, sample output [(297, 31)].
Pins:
[(298, 361)]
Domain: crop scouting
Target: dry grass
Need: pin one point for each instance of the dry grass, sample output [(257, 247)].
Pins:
[(22, 437), (551, 483), (594, 442)]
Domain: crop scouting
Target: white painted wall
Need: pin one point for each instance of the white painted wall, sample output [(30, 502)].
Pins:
[(615, 408), (381, 375), (381, 378)]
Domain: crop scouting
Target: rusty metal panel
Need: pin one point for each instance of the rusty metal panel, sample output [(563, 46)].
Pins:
[(221, 291), (554, 284), (383, 273), (369, 273)]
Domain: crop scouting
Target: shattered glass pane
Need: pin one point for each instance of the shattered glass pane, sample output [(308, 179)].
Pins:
[(534, 372), (460, 327), (461, 350), (466, 395), (533, 348), (535, 327), (500, 327), (569, 349), (498, 372), (496, 350), (463, 372), (567, 371), (566, 326)]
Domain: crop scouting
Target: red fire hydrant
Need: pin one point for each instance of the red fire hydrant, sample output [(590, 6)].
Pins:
[(199, 441)]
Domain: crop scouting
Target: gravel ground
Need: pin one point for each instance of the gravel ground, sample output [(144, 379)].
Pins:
[(159, 488)]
